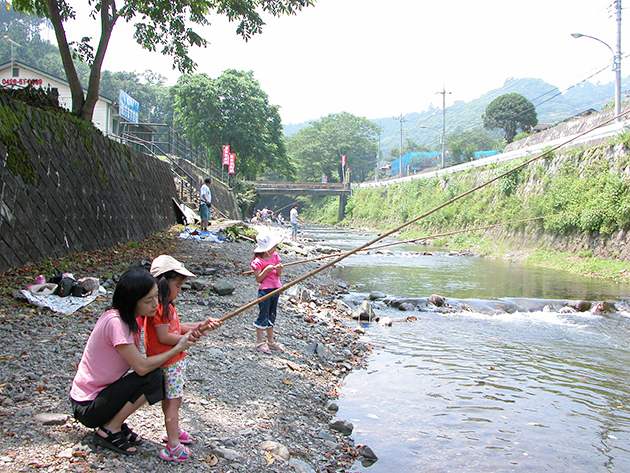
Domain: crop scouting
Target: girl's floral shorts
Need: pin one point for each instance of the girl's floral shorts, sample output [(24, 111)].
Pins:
[(175, 379)]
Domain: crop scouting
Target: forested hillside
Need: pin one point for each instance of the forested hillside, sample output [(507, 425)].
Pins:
[(552, 106)]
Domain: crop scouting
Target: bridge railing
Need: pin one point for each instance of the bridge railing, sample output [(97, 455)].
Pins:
[(302, 185)]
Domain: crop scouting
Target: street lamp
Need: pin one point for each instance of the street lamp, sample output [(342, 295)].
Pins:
[(616, 68), (442, 141)]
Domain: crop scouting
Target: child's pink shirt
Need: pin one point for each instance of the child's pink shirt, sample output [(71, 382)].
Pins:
[(272, 280)]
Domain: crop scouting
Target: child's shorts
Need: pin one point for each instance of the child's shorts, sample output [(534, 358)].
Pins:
[(175, 379)]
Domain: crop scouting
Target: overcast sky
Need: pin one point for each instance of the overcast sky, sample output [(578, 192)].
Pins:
[(380, 58)]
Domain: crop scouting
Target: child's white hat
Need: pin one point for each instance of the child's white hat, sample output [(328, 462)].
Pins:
[(165, 263), (266, 241)]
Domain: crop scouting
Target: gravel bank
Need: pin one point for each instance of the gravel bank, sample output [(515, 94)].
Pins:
[(250, 412)]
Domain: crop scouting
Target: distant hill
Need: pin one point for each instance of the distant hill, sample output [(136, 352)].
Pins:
[(551, 107)]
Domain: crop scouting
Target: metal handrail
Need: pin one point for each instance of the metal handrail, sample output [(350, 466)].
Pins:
[(192, 181), (176, 144)]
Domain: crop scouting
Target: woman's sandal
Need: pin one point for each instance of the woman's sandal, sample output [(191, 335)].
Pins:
[(263, 348), (134, 438), (178, 454), (184, 437), (116, 442)]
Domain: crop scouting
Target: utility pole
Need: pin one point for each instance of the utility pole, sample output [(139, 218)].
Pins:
[(378, 154), (13, 43), (402, 120), (617, 64), (443, 92)]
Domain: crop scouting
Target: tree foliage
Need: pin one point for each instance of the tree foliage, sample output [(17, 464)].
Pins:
[(510, 112), (233, 110), (317, 149), (462, 145), (165, 25), (410, 146)]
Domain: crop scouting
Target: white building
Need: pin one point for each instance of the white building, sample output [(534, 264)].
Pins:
[(18, 74)]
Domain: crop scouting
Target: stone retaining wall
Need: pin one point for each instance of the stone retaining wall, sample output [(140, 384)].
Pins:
[(66, 188)]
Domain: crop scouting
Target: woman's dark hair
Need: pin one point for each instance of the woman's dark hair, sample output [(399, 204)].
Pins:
[(132, 286), (164, 290)]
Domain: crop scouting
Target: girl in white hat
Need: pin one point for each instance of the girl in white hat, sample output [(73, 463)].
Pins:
[(160, 333), (267, 270)]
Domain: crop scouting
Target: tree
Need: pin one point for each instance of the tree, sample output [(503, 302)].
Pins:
[(317, 149), (233, 110), (409, 147), (462, 145), (510, 112), (164, 23)]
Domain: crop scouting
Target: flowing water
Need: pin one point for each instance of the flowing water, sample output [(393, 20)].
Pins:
[(534, 390)]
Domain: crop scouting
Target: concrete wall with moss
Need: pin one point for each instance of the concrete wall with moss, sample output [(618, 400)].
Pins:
[(66, 188)]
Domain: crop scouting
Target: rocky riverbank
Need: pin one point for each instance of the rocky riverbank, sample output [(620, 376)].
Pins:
[(250, 412)]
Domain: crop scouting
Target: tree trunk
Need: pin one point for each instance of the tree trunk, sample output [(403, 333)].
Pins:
[(76, 90), (107, 25)]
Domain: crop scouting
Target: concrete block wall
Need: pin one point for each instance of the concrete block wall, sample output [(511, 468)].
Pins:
[(66, 188)]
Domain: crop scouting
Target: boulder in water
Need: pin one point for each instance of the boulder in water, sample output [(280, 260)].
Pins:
[(365, 312), (374, 295), (436, 300), (604, 307), (580, 306)]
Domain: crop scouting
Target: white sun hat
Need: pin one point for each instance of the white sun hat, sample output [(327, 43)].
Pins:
[(165, 263), (266, 241)]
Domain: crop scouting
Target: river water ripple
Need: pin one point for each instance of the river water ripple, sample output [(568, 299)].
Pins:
[(478, 391)]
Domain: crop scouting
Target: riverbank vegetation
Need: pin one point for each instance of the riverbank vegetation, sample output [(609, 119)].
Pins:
[(582, 195)]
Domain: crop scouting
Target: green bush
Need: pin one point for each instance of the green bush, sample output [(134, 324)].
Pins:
[(590, 183)]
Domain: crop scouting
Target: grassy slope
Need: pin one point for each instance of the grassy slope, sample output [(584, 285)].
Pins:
[(592, 183)]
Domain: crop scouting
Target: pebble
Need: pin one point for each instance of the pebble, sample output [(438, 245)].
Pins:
[(235, 399)]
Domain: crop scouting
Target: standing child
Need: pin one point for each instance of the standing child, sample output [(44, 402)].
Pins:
[(160, 334), (267, 269)]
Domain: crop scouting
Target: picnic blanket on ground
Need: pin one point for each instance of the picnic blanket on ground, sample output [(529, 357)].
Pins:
[(200, 236), (65, 305)]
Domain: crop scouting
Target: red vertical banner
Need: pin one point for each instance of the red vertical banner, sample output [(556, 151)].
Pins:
[(226, 155), (343, 160), (232, 163)]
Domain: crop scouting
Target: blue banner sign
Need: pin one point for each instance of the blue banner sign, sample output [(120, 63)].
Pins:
[(128, 107)]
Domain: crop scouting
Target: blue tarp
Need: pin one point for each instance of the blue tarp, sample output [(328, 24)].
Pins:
[(417, 161)]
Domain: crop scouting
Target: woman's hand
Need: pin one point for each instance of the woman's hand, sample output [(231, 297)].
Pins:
[(186, 341)]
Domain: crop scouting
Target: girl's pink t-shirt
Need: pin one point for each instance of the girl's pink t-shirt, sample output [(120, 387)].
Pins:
[(272, 280), (101, 363)]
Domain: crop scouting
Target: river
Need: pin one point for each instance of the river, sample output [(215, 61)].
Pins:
[(534, 390)]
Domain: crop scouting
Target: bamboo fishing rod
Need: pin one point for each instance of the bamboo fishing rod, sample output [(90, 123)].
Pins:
[(400, 227), (430, 237)]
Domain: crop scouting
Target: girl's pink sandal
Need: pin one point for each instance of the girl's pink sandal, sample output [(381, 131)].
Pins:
[(178, 454), (275, 346), (263, 348), (184, 437)]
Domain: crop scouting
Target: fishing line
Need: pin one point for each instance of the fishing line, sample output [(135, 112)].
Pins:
[(430, 237)]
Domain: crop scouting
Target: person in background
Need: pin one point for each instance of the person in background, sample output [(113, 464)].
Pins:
[(161, 333), (293, 218), (104, 393), (204, 204), (267, 270)]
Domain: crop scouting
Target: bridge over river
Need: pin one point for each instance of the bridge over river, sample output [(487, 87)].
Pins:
[(302, 188), (307, 188)]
